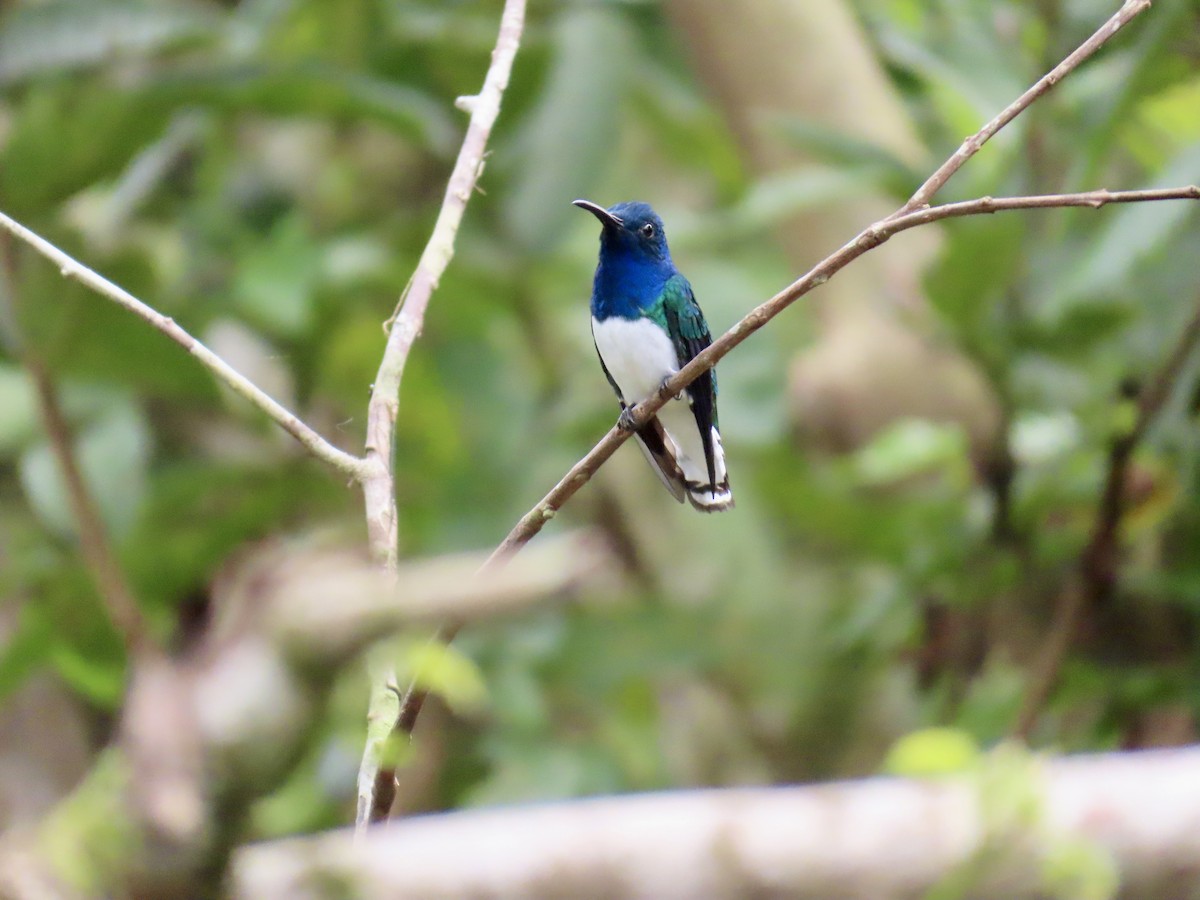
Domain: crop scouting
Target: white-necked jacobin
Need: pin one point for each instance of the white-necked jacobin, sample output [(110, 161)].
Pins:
[(647, 325)]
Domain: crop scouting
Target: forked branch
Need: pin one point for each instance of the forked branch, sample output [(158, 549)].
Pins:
[(409, 317), (291, 423), (534, 520)]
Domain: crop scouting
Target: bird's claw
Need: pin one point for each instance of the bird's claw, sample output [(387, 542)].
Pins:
[(662, 385), (625, 420)]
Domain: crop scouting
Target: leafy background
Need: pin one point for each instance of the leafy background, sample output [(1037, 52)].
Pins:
[(267, 172)]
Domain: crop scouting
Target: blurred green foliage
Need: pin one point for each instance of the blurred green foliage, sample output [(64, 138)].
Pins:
[(267, 172)]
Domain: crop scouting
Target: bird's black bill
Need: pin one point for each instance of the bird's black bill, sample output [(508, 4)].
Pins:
[(606, 218)]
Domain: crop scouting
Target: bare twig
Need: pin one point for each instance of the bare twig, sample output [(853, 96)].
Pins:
[(288, 421), (1128, 11), (376, 780), (409, 317), (534, 520), (1096, 577)]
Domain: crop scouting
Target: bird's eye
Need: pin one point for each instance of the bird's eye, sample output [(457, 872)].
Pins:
[(647, 230)]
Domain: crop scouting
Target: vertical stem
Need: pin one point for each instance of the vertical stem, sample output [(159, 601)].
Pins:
[(386, 715)]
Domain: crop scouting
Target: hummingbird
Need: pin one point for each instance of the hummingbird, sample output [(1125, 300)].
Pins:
[(646, 326)]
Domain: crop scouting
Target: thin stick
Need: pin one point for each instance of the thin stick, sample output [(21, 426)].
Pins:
[(1128, 11), (409, 317), (97, 550), (1097, 574), (288, 421), (376, 779), (534, 520)]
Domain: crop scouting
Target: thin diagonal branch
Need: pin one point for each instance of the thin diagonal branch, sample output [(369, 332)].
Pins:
[(376, 777), (534, 520), (1096, 577), (1128, 11), (288, 421)]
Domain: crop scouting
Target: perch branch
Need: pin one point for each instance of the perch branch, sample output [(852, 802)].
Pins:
[(376, 780), (288, 421), (1096, 577), (534, 520)]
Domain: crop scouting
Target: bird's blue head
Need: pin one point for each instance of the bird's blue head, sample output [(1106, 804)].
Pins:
[(635, 262)]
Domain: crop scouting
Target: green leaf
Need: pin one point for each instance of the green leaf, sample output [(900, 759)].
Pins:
[(965, 94), (443, 670), (100, 678), (689, 131), (276, 280), (1166, 122), (868, 159), (96, 344), (1138, 65), (112, 454), (1080, 870), (932, 751), (150, 170), (912, 447), (773, 199), (18, 410), (25, 648), (63, 138), (981, 259)]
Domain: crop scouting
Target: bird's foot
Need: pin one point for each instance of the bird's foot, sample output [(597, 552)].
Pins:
[(625, 420), (662, 386)]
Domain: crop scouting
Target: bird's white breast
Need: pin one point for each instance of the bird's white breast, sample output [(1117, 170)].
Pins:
[(637, 353)]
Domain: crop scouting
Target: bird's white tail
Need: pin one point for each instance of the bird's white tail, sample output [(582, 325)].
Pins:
[(683, 438)]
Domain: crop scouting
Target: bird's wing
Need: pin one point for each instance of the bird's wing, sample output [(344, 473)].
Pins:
[(651, 440), (612, 382), (689, 332)]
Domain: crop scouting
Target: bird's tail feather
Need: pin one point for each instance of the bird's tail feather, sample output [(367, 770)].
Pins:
[(707, 482), (662, 452), (710, 500)]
